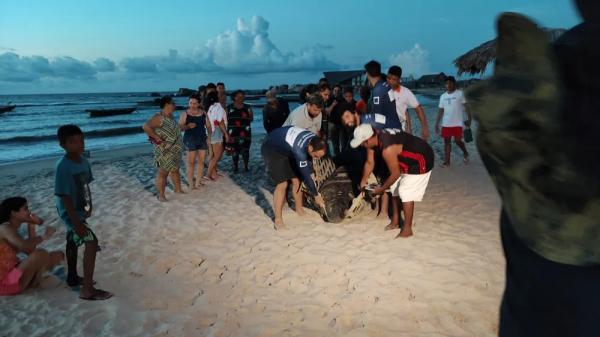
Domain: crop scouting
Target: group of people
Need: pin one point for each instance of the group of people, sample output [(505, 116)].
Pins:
[(208, 125), (383, 142)]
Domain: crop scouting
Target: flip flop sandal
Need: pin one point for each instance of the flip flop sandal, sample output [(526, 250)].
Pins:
[(100, 295)]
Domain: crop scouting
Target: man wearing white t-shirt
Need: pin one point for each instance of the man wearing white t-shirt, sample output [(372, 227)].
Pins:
[(404, 98), (452, 109)]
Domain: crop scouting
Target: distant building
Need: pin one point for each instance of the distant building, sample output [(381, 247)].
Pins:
[(433, 80), (346, 78)]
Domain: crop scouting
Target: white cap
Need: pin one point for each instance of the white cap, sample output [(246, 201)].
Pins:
[(361, 133)]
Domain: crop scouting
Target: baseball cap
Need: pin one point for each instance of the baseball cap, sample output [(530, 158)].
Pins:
[(361, 133)]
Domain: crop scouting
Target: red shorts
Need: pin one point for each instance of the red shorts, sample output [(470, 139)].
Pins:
[(455, 131), (9, 285)]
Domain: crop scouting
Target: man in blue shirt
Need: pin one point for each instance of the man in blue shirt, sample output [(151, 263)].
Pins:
[(381, 112), (288, 154)]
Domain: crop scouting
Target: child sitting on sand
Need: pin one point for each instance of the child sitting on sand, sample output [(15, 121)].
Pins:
[(74, 205), (17, 276)]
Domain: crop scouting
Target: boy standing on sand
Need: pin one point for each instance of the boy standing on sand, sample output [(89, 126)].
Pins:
[(74, 205), (452, 108)]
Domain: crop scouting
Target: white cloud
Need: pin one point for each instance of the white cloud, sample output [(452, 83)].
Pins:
[(245, 50), (248, 49), (414, 61)]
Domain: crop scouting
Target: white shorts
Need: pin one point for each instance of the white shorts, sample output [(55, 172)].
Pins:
[(410, 187)]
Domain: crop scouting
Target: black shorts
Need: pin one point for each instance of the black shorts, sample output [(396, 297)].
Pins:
[(279, 167)]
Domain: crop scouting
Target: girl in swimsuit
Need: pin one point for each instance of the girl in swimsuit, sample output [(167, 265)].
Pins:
[(17, 276)]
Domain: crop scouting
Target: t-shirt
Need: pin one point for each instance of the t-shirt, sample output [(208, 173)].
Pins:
[(293, 142), (383, 107), (416, 156), (73, 179), (404, 98), (216, 114), (454, 108), (361, 106), (300, 118)]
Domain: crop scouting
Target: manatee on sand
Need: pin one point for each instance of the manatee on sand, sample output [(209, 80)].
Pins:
[(336, 187)]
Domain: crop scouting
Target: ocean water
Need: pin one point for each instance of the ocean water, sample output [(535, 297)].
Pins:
[(29, 131)]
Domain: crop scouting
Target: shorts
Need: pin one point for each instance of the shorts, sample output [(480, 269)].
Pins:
[(217, 136), (410, 187), (72, 237), (279, 167), (455, 131), (196, 145), (9, 285)]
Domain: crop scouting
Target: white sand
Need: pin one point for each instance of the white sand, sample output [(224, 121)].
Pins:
[(210, 264)]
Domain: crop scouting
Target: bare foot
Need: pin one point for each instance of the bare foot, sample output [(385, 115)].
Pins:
[(179, 192), (162, 198), (300, 212), (404, 233), (391, 226), (278, 224)]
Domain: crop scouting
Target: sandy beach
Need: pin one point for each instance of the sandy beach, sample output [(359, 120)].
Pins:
[(210, 264)]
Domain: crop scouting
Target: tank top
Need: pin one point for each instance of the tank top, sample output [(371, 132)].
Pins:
[(197, 133)]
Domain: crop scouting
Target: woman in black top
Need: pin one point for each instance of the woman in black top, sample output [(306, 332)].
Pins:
[(239, 118)]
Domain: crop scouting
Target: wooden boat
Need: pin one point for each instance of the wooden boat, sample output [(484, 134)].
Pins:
[(6, 108), (109, 112), (154, 102)]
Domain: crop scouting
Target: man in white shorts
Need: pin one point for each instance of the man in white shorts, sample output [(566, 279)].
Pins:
[(409, 160)]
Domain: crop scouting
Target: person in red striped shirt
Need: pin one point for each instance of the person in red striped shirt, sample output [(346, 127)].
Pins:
[(409, 160)]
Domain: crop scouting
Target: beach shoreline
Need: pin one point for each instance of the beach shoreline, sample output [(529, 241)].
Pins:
[(208, 263)]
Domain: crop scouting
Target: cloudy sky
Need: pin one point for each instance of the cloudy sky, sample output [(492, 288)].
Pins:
[(112, 46)]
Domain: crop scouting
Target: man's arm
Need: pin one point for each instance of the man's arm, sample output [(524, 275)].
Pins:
[(368, 168), (390, 155), (469, 115), (331, 107), (408, 123), (437, 122), (424, 124), (301, 159)]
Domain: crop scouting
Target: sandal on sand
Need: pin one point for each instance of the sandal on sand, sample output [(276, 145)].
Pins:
[(77, 283), (99, 295), (207, 178)]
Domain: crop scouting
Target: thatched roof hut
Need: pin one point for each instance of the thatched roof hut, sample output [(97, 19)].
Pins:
[(476, 60)]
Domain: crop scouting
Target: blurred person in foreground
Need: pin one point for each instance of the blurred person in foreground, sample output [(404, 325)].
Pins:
[(538, 137)]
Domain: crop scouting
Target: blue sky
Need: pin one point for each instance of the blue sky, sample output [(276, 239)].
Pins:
[(99, 46)]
